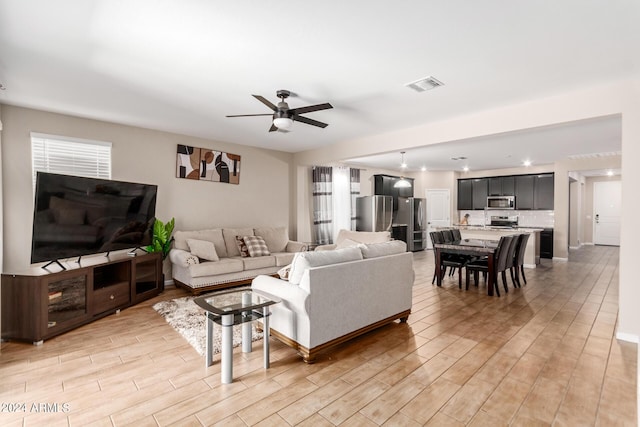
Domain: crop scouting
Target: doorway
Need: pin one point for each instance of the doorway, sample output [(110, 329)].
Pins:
[(607, 205), (438, 211)]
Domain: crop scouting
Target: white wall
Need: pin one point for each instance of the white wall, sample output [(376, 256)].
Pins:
[(147, 156)]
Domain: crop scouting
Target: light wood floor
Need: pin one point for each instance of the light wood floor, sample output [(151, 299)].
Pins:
[(544, 354)]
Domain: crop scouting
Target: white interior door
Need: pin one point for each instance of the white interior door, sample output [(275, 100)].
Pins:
[(438, 211), (607, 204)]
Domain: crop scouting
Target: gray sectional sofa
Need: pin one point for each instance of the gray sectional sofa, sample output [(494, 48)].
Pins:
[(333, 296)]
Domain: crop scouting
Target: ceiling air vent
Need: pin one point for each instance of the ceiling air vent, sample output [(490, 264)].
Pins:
[(423, 84)]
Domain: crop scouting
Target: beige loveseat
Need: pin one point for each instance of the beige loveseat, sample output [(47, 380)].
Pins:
[(333, 296), (204, 260)]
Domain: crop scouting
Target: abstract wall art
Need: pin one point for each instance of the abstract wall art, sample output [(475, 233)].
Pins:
[(207, 165)]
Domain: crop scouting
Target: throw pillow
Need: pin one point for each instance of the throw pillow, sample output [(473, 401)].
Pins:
[(256, 246), (284, 272), (203, 249), (242, 247), (347, 243)]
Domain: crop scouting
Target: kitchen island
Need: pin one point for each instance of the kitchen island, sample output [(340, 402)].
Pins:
[(488, 232)]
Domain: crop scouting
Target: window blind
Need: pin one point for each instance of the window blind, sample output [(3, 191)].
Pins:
[(70, 156)]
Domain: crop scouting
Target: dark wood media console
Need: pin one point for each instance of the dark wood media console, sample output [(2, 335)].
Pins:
[(39, 304)]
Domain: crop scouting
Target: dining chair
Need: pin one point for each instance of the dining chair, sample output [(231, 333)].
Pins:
[(519, 258), (456, 234), (510, 263), (499, 265), (446, 260), (448, 236)]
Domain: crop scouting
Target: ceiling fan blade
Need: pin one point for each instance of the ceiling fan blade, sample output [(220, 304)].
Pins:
[(265, 102), (250, 115), (310, 108), (273, 128), (309, 121)]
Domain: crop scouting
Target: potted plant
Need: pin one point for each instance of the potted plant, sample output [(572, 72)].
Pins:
[(161, 239)]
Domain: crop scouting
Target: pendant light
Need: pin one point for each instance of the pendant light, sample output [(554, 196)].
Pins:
[(402, 182)]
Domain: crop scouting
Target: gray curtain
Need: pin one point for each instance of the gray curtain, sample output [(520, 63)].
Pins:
[(355, 192), (322, 189)]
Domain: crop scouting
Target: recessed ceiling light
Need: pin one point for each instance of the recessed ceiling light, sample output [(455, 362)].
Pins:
[(527, 163), (466, 168), (610, 173), (423, 169)]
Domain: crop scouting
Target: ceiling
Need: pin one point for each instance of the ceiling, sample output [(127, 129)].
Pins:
[(182, 66)]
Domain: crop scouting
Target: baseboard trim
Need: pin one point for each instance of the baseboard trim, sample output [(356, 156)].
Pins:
[(622, 336), (588, 243), (555, 258), (169, 283)]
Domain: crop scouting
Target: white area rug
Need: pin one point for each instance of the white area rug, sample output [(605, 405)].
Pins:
[(190, 321)]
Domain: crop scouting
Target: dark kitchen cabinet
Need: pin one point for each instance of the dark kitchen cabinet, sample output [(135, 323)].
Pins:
[(502, 186), (525, 185), (546, 243), (383, 185), (465, 195), (543, 194), (508, 186), (495, 186), (480, 188)]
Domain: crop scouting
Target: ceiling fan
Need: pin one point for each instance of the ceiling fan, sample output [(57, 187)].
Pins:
[(283, 116)]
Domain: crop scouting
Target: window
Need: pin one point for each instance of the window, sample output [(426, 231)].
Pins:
[(70, 156)]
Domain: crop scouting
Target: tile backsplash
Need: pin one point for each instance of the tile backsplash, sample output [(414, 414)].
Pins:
[(525, 218)]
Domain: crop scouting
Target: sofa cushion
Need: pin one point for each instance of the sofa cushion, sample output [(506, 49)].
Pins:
[(252, 263), (213, 235), (256, 246), (283, 258), (305, 260), (225, 265), (230, 239), (276, 238), (203, 249), (364, 236), (375, 250)]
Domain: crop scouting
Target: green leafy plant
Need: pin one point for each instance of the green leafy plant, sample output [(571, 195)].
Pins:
[(161, 240)]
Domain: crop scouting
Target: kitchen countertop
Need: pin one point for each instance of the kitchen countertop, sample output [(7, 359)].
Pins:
[(494, 228)]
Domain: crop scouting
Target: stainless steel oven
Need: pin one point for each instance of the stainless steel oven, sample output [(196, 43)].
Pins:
[(501, 202)]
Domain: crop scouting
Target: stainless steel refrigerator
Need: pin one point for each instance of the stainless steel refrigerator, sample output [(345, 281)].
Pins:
[(374, 213), (413, 212)]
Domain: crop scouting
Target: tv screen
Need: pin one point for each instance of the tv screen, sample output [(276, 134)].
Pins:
[(75, 216)]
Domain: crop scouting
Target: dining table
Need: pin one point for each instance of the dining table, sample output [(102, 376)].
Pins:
[(474, 247)]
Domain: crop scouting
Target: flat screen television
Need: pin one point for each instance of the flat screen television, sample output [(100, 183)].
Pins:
[(75, 216)]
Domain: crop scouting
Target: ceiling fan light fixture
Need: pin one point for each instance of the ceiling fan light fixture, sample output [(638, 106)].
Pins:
[(283, 123)]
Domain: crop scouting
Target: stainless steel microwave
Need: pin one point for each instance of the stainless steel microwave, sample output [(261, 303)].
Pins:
[(501, 202)]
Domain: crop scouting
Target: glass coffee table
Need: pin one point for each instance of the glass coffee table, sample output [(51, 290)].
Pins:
[(227, 309)]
